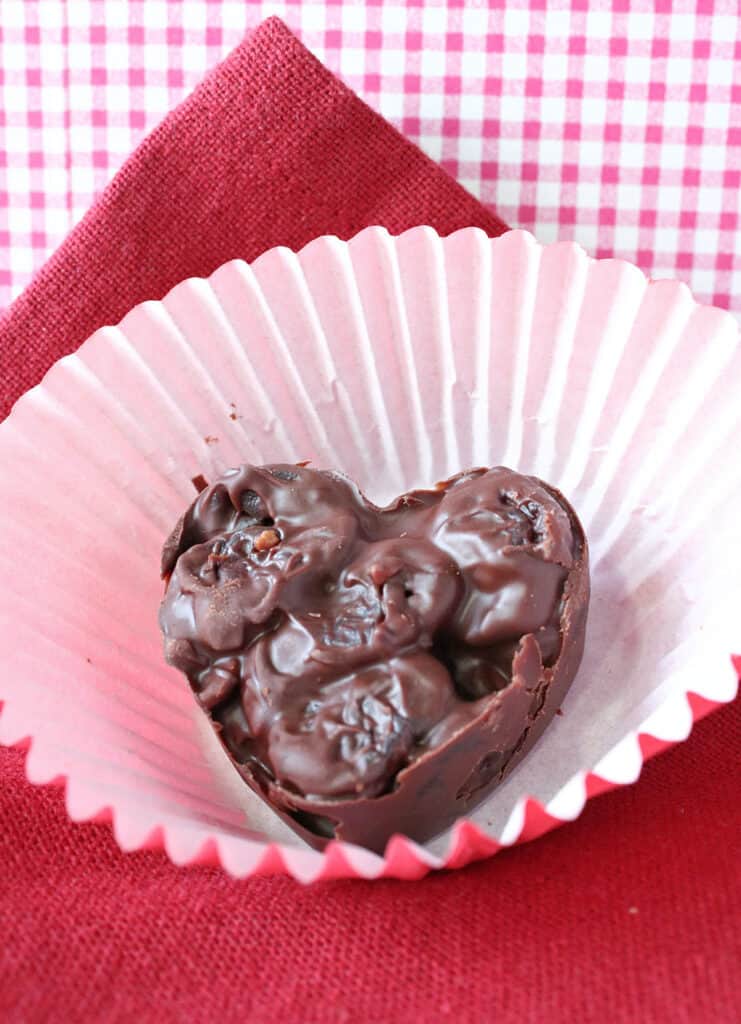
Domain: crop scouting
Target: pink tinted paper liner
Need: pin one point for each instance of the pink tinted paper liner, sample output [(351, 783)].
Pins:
[(398, 361)]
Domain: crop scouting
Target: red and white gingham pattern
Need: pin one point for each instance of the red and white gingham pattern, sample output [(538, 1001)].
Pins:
[(613, 122)]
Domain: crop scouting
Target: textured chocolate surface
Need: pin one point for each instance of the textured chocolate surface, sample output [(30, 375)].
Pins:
[(375, 670)]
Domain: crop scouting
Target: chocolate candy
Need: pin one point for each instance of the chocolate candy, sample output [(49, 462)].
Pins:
[(375, 670)]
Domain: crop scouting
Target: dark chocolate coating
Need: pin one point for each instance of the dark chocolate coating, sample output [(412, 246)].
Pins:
[(375, 670)]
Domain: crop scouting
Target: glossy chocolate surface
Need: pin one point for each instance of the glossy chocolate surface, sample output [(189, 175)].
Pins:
[(372, 670)]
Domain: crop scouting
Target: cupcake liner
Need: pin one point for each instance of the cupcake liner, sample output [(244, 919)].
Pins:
[(398, 360)]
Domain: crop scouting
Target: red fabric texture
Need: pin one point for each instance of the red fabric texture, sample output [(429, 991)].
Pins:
[(630, 914)]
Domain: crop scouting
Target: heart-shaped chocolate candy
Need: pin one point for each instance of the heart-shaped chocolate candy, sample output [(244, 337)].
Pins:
[(375, 670)]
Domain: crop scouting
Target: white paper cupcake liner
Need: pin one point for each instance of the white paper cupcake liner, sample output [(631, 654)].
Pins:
[(398, 361)]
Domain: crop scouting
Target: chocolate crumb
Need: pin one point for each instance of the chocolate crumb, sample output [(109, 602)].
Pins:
[(266, 540), (559, 712), (211, 439), (199, 482)]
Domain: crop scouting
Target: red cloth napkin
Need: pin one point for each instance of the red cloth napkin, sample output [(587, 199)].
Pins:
[(631, 914)]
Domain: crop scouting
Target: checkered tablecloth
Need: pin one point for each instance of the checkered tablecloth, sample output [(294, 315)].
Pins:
[(611, 122)]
